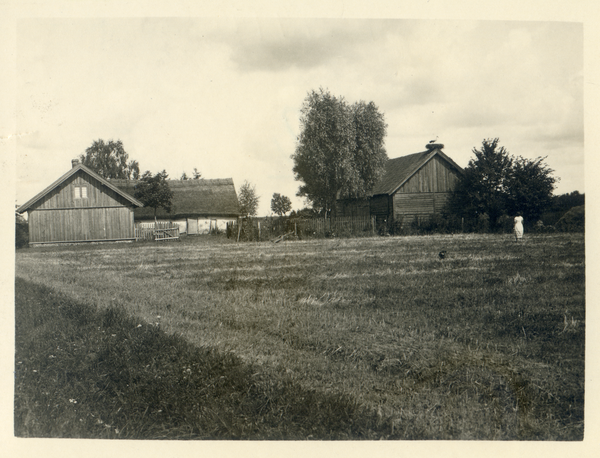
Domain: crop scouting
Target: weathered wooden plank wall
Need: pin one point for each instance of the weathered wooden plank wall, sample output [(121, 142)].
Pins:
[(413, 204), (435, 176), (353, 208), (420, 203), (64, 216), (98, 195), (427, 191), (81, 224), (380, 206)]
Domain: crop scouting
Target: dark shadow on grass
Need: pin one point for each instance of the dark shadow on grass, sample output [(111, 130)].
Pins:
[(101, 374)]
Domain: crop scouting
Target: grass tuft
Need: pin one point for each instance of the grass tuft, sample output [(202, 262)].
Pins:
[(357, 339), (88, 374)]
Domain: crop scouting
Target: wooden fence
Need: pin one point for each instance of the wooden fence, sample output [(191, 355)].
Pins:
[(158, 231), (261, 229), (336, 226)]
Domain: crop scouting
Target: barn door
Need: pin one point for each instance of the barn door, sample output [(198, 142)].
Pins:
[(192, 226)]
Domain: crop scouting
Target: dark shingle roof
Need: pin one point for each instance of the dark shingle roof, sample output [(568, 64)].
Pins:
[(400, 169), (192, 198)]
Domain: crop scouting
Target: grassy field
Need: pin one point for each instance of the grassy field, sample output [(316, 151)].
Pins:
[(326, 339)]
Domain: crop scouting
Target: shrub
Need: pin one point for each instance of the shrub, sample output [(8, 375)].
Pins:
[(505, 224), (572, 221), (21, 232), (483, 223), (249, 230), (440, 223)]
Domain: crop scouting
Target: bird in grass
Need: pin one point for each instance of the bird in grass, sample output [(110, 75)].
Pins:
[(442, 254)]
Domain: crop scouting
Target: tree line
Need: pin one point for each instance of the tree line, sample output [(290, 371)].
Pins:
[(497, 184), (340, 153)]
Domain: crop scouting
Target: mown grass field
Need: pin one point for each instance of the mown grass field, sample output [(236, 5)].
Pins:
[(323, 339)]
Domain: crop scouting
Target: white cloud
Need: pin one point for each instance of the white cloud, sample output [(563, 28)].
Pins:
[(224, 95)]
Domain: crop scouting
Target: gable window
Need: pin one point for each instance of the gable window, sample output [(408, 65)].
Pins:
[(80, 192)]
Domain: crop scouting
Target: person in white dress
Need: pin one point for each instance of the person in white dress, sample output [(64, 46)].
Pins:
[(518, 227)]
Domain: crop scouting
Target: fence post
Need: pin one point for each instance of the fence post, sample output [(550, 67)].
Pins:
[(259, 231)]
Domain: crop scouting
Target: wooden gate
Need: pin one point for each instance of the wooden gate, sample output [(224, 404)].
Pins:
[(158, 231)]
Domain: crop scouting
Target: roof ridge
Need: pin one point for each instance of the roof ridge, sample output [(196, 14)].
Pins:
[(188, 182), (400, 169), (69, 174)]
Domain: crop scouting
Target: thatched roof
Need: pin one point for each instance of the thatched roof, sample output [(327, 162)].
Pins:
[(400, 169), (192, 198)]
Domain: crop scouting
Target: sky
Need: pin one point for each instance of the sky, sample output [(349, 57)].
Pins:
[(224, 94)]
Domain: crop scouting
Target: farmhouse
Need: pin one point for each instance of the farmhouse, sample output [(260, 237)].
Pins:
[(413, 186), (199, 206), (80, 206)]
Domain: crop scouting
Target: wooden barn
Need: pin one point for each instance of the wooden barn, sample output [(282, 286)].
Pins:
[(199, 206), (413, 186), (80, 206)]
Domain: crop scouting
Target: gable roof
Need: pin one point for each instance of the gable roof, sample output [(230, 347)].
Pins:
[(27, 205), (399, 170), (203, 197)]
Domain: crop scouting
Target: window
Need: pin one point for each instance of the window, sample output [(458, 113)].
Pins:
[(80, 192)]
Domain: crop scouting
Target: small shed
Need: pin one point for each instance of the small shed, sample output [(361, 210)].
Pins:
[(414, 186), (198, 206), (80, 206)]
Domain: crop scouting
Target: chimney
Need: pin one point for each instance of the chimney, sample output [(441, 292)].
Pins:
[(74, 163)]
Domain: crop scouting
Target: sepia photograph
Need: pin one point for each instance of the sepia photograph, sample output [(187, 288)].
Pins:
[(275, 228)]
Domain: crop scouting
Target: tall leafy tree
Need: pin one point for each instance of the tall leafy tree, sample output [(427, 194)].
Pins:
[(369, 151), (109, 160), (280, 205), (495, 184), (153, 191), (340, 151), (484, 187), (530, 186), (248, 199)]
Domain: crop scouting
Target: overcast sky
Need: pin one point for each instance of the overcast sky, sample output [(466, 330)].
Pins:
[(224, 95)]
